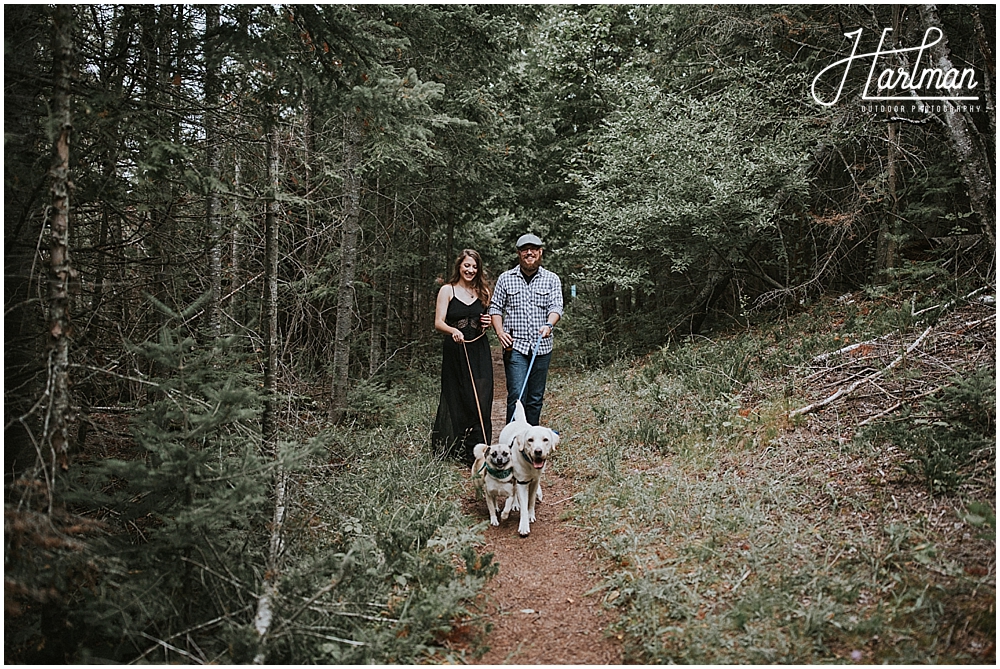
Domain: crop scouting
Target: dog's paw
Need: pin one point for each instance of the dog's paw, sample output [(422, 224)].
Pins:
[(494, 522), (505, 515), (531, 517)]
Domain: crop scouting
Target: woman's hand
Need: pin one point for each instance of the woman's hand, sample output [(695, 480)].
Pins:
[(457, 336), (485, 321)]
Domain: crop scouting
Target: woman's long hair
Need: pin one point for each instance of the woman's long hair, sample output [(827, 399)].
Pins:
[(480, 283)]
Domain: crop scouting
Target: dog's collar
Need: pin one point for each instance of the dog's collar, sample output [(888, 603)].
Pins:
[(498, 474), (527, 459)]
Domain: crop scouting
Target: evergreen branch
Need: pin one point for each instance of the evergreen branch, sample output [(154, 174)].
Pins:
[(232, 580), (175, 649), (324, 590), (196, 628)]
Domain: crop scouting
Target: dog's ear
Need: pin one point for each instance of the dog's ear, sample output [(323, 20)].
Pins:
[(519, 441), (555, 439)]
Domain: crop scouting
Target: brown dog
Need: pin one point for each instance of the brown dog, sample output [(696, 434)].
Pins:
[(493, 470)]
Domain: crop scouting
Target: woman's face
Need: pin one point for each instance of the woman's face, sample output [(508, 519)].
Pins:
[(469, 269)]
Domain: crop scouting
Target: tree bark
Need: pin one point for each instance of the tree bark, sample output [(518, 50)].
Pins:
[(236, 247), (990, 67), (268, 420), (264, 616), (975, 163), (348, 260), (212, 214), (57, 418), (888, 237), (889, 230)]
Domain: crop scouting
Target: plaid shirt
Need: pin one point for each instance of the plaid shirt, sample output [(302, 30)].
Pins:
[(526, 306)]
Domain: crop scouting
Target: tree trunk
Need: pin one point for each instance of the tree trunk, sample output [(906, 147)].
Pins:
[(268, 420), (975, 163), (155, 45), (608, 307), (348, 260), (264, 616), (717, 281), (989, 66), (212, 214), (57, 403), (236, 248), (889, 229)]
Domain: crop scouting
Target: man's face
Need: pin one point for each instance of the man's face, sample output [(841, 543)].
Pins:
[(529, 258)]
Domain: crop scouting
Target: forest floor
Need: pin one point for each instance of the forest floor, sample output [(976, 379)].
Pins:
[(742, 534), (538, 603)]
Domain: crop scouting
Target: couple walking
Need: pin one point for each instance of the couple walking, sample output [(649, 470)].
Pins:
[(525, 305)]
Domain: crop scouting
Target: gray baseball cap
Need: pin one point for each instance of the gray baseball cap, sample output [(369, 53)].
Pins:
[(529, 240)]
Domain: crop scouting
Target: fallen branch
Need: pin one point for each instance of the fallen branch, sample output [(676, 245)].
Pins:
[(854, 386), (949, 305), (846, 349), (899, 404)]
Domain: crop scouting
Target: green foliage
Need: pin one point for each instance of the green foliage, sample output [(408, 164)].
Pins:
[(584, 342), (371, 404), (981, 516), (682, 178), (378, 564), (955, 441), (181, 510), (383, 558)]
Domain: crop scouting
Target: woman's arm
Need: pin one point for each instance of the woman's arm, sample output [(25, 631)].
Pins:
[(441, 311)]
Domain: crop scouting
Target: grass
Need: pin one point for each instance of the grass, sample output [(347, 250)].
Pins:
[(380, 519), (730, 534)]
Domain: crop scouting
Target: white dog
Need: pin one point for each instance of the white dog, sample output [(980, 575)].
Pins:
[(531, 446), (493, 468), (516, 426)]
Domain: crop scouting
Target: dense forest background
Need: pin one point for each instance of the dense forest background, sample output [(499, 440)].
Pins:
[(225, 226)]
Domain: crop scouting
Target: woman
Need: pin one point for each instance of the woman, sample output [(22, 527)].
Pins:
[(460, 314)]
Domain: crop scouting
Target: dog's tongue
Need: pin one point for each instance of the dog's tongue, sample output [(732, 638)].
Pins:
[(538, 465)]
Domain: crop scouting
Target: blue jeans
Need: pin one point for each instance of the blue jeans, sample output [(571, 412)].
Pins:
[(515, 365)]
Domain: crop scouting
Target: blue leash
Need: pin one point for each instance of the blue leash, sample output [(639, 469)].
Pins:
[(530, 365)]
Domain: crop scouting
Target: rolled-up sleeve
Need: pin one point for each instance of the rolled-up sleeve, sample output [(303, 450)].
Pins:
[(556, 307), (499, 299)]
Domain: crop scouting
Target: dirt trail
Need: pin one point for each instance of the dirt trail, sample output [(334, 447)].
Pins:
[(537, 601)]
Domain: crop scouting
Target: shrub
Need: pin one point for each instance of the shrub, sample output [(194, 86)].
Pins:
[(955, 440)]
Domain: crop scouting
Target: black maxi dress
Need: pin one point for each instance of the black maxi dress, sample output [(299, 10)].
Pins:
[(457, 428)]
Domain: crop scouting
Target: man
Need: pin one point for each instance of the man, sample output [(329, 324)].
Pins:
[(531, 298)]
